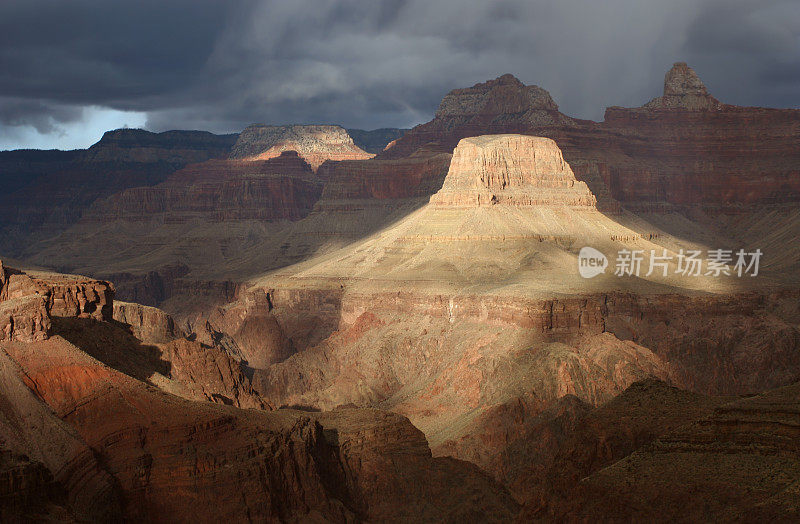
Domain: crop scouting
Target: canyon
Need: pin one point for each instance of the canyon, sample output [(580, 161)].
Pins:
[(309, 322)]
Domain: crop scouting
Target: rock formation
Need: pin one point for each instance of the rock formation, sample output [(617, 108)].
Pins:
[(28, 300), (513, 170), (683, 150), (683, 89), (315, 144), (283, 187), (97, 440), (468, 315), (502, 105)]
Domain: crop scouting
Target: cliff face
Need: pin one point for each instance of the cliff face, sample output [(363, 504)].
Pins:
[(739, 462), (683, 150), (46, 192), (88, 424), (732, 159), (417, 175), (218, 190), (512, 170), (315, 144), (28, 300)]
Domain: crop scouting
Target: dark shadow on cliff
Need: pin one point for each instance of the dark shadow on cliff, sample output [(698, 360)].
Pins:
[(112, 344)]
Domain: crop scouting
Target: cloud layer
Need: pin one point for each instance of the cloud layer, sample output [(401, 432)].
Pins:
[(206, 64)]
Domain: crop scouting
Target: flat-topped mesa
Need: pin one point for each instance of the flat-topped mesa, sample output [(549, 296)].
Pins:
[(683, 89), (517, 170), (173, 147), (315, 144)]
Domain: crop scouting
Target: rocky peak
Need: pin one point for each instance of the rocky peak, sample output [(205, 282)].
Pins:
[(518, 170), (505, 94), (683, 89)]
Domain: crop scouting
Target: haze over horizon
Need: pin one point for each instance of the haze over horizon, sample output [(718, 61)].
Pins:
[(72, 71)]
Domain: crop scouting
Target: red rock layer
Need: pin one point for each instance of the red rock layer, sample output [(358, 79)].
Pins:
[(112, 447), (419, 174), (739, 463), (682, 150), (217, 190), (728, 344)]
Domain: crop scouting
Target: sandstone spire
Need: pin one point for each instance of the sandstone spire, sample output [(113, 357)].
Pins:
[(683, 89)]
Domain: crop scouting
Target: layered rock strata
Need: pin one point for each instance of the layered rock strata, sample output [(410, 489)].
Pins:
[(740, 462), (29, 300), (220, 190), (513, 170), (44, 192), (107, 443), (315, 144)]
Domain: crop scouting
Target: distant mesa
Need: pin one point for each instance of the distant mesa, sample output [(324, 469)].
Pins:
[(512, 170), (141, 146), (683, 89), (315, 144)]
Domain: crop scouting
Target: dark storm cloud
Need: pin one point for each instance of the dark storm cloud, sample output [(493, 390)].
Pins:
[(41, 116), (105, 52), (220, 65)]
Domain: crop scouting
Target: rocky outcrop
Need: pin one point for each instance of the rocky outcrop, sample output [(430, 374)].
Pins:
[(149, 324), (502, 105), (315, 144), (683, 89), (29, 300), (511, 170), (62, 295)]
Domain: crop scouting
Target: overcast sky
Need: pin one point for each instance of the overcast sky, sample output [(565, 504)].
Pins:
[(70, 70)]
